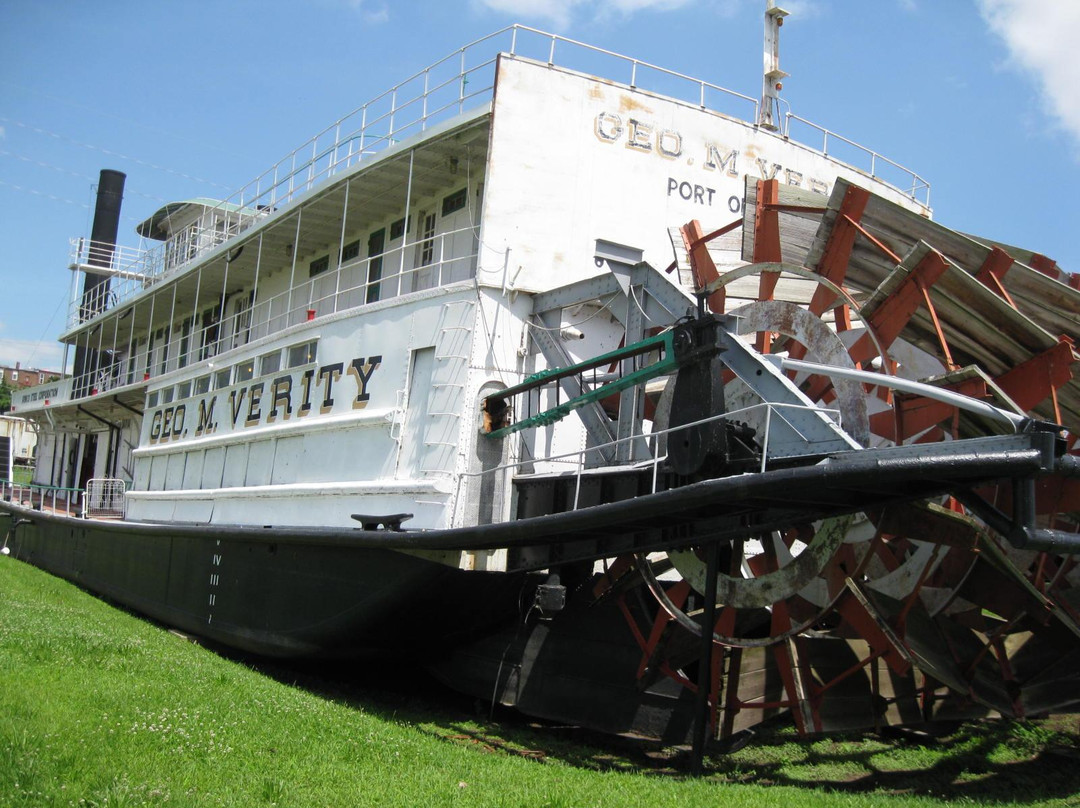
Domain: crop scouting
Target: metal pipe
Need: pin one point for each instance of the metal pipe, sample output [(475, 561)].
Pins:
[(906, 386)]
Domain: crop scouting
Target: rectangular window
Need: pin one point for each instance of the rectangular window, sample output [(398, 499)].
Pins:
[(454, 202), (202, 385), (221, 378), (185, 340), (162, 336), (376, 244), (167, 395), (302, 354), (427, 243), (397, 229), (269, 363), (318, 266), (208, 341), (350, 251), (242, 318), (183, 390), (245, 370), (152, 399)]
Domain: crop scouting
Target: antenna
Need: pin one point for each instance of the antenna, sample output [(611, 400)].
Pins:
[(769, 111)]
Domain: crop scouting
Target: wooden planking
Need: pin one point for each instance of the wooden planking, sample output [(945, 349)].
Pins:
[(976, 321), (797, 229), (1052, 304), (980, 327)]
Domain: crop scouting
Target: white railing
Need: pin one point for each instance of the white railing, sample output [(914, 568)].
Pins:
[(578, 461), (345, 287), (879, 167), (40, 497), (104, 499), (130, 270), (462, 80)]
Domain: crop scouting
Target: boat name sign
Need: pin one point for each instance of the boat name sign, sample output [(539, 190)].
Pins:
[(648, 138), (290, 395)]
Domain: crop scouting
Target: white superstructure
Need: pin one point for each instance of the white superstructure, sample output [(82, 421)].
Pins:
[(317, 346)]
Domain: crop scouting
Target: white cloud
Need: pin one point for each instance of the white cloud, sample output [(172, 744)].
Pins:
[(30, 353), (1041, 36), (801, 9), (562, 12), (558, 12), (370, 12), (378, 15)]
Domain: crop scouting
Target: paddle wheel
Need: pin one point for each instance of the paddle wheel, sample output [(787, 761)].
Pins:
[(915, 610)]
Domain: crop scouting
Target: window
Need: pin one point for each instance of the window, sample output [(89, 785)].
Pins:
[(161, 343), (14, 375), (221, 378), (269, 363), (183, 390), (202, 385), (318, 266), (185, 340), (350, 251), (242, 318), (427, 243), (375, 246), (454, 202), (302, 354), (208, 341), (152, 399), (167, 395), (41, 378), (397, 229), (245, 370)]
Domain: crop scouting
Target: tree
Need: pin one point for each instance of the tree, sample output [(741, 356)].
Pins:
[(5, 395)]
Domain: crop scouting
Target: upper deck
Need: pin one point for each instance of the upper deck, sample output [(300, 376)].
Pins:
[(461, 81), (203, 260)]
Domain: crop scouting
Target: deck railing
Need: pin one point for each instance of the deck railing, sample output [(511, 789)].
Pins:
[(462, 80), (770, 414), (40, 497), (353, 283)]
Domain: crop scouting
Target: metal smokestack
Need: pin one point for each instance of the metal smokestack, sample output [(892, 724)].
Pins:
[(95, 293)]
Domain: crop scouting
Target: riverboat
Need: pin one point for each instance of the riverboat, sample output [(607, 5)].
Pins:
[(499, 373)]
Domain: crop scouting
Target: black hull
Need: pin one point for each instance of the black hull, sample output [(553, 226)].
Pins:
[(265, 592)]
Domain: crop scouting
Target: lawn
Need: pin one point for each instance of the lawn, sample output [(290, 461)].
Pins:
[(100, 708), (22, 475)]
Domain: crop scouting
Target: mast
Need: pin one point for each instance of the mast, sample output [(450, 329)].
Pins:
[(769, 111)]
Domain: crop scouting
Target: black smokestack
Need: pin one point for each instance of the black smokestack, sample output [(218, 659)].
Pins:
[(95, 294)]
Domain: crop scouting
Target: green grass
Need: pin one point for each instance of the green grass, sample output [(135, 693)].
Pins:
[(22, 475), (99, 708)]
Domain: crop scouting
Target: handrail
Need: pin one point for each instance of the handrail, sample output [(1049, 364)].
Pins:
[(578, 457), (24, 493), (919, 190), (326, 294), (429, 96)]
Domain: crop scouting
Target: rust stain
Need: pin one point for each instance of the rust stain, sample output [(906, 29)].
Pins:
[(596, 91), (628, 103)]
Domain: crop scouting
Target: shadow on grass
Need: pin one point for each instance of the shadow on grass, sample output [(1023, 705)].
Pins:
[(985, 762)]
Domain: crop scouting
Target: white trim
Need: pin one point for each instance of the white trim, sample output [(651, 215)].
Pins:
[(305, 425), (289, 490)]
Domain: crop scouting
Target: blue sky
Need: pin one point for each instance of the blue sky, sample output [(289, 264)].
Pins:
[(980, 97)]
